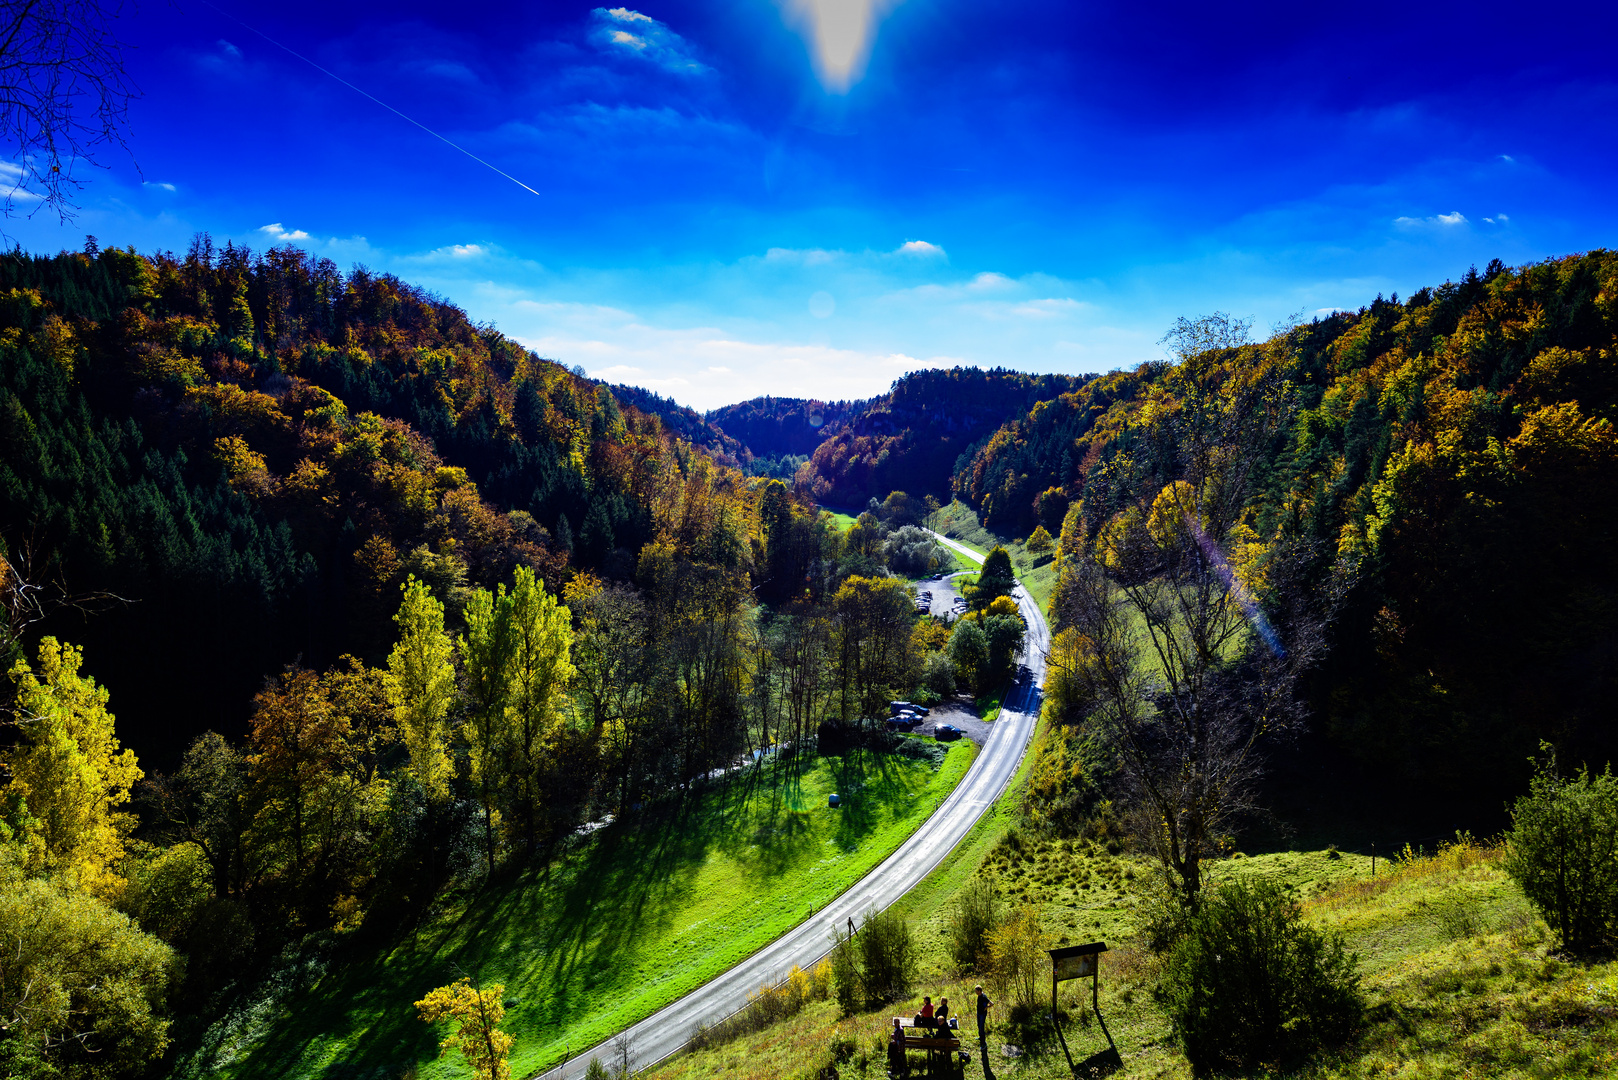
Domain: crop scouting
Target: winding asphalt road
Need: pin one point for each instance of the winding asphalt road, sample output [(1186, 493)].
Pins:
[(666, 1031)]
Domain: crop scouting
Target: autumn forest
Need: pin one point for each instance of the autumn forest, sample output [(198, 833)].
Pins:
[(325, 602)]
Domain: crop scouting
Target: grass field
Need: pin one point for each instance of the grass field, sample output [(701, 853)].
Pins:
[(645, 912), (1460, 976), (1037, 573)]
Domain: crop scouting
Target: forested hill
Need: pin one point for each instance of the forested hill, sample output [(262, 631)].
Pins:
[(684, 421), (772, 426), (254, 450), (1457, 449), (909, 438)]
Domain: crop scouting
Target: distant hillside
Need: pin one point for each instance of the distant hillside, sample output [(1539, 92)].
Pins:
[(909, 438), (682, 420), (772, 426)]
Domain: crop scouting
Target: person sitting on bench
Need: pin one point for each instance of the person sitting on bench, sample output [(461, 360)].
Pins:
[(941, 1017), (925, 1017)]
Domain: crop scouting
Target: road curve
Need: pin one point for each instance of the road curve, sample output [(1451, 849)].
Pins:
[(666, 1031)]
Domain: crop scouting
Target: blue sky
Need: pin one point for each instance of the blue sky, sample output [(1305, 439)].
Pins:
[(810, 197)]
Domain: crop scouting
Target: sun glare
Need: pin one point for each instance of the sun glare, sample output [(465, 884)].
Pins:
[(839, 33)]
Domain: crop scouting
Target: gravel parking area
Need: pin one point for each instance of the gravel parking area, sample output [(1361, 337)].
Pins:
[(944, 594), (957, 711)]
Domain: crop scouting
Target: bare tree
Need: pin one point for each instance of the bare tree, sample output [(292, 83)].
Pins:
[(1198, 629), (26, 600), (64, 98)]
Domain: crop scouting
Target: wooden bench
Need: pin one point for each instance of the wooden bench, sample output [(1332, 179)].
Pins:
[(945, 1042)]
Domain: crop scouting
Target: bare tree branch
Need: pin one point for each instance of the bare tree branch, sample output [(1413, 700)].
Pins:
[(64, 98)]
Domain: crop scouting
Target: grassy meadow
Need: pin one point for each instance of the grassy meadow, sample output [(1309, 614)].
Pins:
[(1461, 978), (642, 912)]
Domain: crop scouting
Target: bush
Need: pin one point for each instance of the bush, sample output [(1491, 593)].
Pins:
[(975, 917), (1248, 981), (913, 552), (938, 675), (768, 1005), (1018, 966), (1562, 850), (845, 973), (887, 957)]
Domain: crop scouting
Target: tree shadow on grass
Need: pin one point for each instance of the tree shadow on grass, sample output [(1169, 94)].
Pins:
[(883, 788), (556, 937)]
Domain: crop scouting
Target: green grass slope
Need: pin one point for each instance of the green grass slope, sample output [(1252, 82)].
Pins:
[(644, 912), (1461, 978), (1037, 573)]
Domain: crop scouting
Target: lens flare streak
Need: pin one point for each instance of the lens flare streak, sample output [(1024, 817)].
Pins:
[(1238, 590)]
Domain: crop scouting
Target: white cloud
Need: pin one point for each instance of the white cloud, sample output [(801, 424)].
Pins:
[(460, 251), (1443, 221), (805, 256), (275, 231), (702, 366), (919, 247), (156, 184), (624, 32), (989, 280), (228, 49), (1508, 159), (1049, 308)]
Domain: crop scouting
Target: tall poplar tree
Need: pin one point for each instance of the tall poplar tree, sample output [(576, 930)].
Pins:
[(486, 651), (421, 686), (542, 668)]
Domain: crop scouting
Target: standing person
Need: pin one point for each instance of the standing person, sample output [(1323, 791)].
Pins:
[(984, 1005)]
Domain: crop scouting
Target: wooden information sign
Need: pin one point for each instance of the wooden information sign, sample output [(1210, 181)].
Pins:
[(1084, 962)]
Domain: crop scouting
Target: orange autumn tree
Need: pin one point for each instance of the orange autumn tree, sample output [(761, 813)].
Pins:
[(478, 1036)]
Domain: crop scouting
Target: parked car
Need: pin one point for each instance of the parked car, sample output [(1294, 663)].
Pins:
[(947, 732), (905, 722)]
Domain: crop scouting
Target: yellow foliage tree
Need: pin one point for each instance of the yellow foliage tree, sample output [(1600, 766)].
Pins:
[(421, 686), (478, 1037), (70, 772), (541, 672)]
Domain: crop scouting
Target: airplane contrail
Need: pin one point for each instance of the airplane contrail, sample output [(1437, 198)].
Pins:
[(373, 97)]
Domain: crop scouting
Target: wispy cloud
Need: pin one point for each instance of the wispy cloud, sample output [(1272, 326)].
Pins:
[(625, 32), (450, 254), (1442, 221), (275, 231), (228, 49), (1498, 219), (919, 247), (158, 185)]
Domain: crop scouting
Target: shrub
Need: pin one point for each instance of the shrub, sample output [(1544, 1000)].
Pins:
[(1562, 850), (1248, 981), (845, 972), (976, 915), (913, 551), (938, 675), (887, 952), (1018, 967)]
